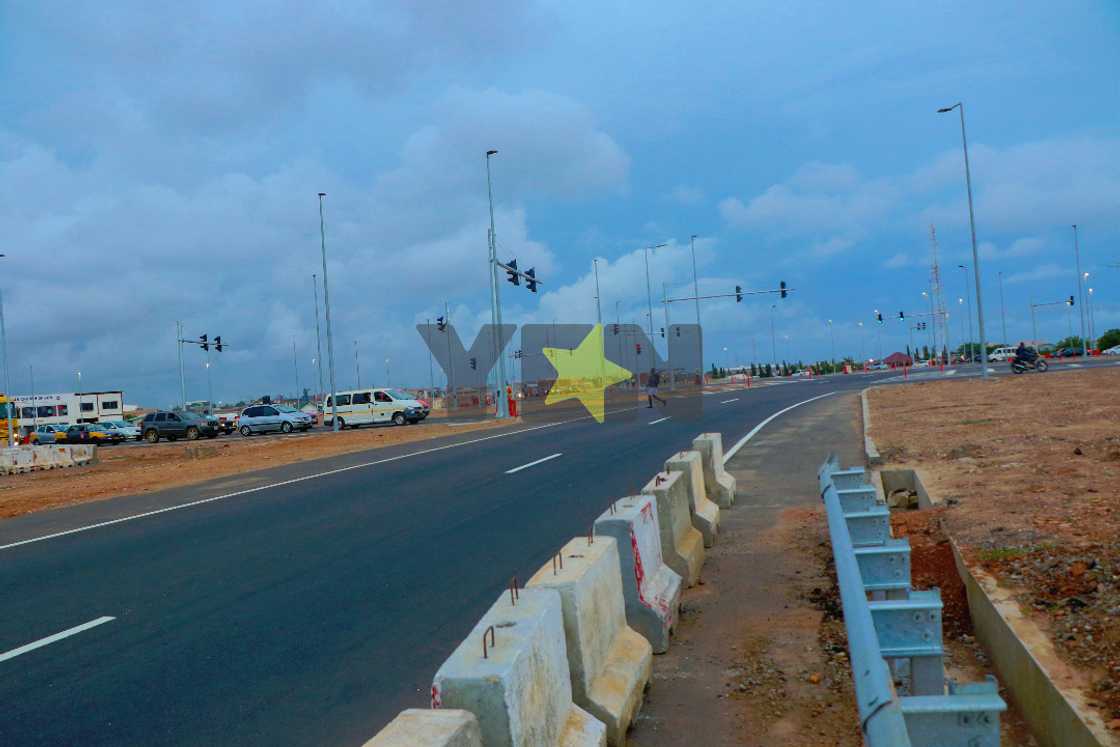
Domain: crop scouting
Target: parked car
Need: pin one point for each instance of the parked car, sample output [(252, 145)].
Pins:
[(226, 424), (128, 431), (1067, 352), (264, 418), (176, 425), (368, 406), (45, 435), (1114, 350), (1002, 354), (85, 433)]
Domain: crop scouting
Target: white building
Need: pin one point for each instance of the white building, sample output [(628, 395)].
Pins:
[(68, 408)]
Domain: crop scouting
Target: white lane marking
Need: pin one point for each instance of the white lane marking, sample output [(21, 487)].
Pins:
[(284, 483), (534, 464), (660, 420), (56, 637), (951, 372), (729, 401), (743, 441), (1075, 365)]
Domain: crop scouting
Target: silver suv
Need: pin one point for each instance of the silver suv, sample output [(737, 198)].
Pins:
[(264, 418)]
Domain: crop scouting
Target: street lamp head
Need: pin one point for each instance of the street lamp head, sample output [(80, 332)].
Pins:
[(963, 267), (491, 153), (945, 109), (322, 194)]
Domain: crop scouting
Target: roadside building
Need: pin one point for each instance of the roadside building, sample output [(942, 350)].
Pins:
[(898, 360)]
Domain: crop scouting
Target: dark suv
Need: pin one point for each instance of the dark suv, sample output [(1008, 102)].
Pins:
[(175, 425)]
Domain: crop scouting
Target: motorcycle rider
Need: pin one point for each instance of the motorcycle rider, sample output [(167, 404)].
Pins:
[(1025, 354)]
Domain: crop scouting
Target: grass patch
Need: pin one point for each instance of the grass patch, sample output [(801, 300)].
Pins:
[(1003, 553)]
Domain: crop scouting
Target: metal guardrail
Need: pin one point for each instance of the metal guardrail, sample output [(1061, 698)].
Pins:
[(896, 633)]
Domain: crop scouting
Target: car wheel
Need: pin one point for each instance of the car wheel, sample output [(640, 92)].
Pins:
[(246, 431), (285, 427), (398, 418), (151, 436), (192, 433)]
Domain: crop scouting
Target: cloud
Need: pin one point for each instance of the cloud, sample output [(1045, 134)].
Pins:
[(1042, 272), (687, 195), (899, 261), (1017, 249)]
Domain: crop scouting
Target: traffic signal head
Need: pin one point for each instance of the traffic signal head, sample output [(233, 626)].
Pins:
[(901, 315), (638, 348), (1070, 301), (203, 343), (218, 343), (511, 273), (474, 363), (531, 279), (738, 293), (662, 331), (440, 324), (782, 288), (614, 328), (879, 318)]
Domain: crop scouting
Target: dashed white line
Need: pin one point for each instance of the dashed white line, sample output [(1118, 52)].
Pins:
[(660, 420), (53, 638), (534, 464), (729, 401)]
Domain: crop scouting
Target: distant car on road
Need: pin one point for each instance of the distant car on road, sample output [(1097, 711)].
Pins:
[(176, 425), (264, 418), (1114, 350), (1067, 352), (1002, 354), (45, 435), (85, 433), (369, 406), (128, 431)]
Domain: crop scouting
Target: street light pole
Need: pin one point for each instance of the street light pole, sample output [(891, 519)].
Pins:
[(649, 292), (357, 368), (500, 404), (1002, 311), (968, 301), (832, 336), (327, 312), (387, 372), (975, 253), (7, 379), (295, 369), (773, 339), (182, 380), (1080, 296), (318, 341), (598, 305)]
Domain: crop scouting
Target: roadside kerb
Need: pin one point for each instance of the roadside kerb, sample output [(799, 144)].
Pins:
[(416, 727), (869, 449), (609, 662), (705, 514), (903, 630), (511, 672), (718, 482), (681, 545), (1058, 717), (652, 589)]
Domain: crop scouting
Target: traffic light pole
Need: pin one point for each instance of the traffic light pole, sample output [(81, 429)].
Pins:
[(500, 407), (182, 381)]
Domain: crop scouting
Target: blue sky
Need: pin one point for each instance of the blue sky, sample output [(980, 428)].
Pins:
[(163, 164)]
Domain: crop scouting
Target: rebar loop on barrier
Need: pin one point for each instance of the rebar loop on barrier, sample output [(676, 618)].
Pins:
[(591, 535), (612, 509), (658, 479), (557, 557), (513, 595), (493, 641)]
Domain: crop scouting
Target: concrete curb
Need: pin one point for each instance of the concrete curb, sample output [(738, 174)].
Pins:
[(705, 514), (417, 727), (610, 664), (1057, 714), (871, 452)]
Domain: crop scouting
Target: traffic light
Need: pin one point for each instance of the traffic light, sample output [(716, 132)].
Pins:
[(474, 364), (901, 315), (440, 324), (879, 317), (782, 288), (1070, 301), (738, 294), (218, 343), (663, 332), (638, 348), (202, 341), (531, 279), (614, 328), (511, 271), (516, 353)]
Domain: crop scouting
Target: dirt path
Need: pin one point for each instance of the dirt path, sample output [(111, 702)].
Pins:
[(760, 654)]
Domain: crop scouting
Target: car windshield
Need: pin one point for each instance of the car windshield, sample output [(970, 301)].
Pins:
[(285, 408), (398, 394)]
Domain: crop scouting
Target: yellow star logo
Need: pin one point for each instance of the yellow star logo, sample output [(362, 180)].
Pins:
[(583, 373)]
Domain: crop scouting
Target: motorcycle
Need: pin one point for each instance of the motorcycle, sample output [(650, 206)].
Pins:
[(1022, 366)]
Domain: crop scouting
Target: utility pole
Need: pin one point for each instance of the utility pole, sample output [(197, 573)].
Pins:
[(1002, 310), (357, 368), (649, 292), (327, 310), (7, 378), (182, 381), (773, 340), (500, 405), (295, 367), (598, 304), (975, 253), (431, 370), (318, 341), (968, 300), (1080, 295), (668, 347)]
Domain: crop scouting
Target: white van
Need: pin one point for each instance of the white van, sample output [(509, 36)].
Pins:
[(368, 406), (1002, 354)]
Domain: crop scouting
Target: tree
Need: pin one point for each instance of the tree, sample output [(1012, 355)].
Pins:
[(1069, 342), (925, 352), (1109, 339)]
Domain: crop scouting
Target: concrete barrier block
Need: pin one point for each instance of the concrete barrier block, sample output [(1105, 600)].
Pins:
[(417, 727), (609, 662), (42, 457), (83, 453), (61, 456), (516, 680), (681, 545), (652, 589), (705, 514), (717, 481)]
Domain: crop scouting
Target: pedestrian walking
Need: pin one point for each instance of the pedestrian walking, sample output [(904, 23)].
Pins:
[(652, 382)]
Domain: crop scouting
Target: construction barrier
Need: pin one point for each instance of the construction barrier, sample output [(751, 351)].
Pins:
[(718, 483), (681, 545), (705, 514), (512, 673), (83, 454), (430, 728), (28, 458), (608, 662), (16, 459), (651, 589), (898, 637)]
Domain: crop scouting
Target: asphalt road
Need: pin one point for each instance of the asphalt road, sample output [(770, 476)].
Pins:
[(309, 603)]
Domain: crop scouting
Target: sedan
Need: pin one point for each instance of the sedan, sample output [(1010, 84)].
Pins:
[(85, 433), (127, 431), (1114, 350), (264, 418), (46, 435), (1067, 352)]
